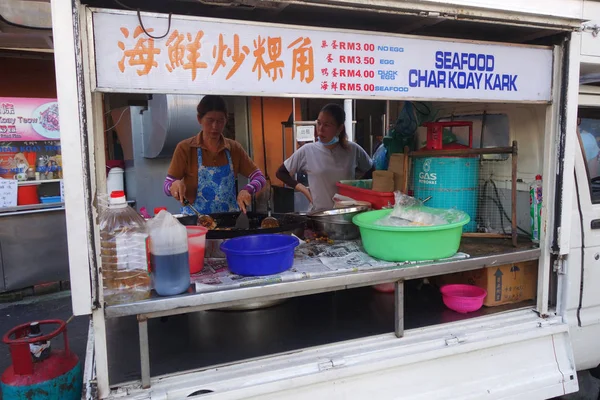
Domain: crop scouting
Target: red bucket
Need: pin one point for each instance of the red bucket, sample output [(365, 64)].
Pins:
[(27, 195)]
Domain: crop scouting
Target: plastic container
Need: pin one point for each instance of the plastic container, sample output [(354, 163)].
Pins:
[(50, 199), (408, 243), (169, 255), (114, 181), (27, 195), (123, 251), (361, 190), (535, 205), (196, 247), (463, 298), (259, 255)]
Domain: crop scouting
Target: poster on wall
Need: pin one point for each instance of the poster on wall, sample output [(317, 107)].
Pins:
[(210, 56), (28, 119), (29, 161), (29, 139)]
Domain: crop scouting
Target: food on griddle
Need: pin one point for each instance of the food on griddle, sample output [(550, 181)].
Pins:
[(207, 221), (269, 222)]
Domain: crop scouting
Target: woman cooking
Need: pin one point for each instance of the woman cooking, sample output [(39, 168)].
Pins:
[(204, 168), (331, 159)]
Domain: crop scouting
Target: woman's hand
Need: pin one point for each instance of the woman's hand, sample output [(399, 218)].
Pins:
[(304, 190), (178, 191), (244, 198)]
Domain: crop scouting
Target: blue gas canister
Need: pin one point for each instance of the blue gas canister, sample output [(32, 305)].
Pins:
[(37, 372)]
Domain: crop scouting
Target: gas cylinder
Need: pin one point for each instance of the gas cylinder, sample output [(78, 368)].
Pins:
[(451, 182), (58, 375)]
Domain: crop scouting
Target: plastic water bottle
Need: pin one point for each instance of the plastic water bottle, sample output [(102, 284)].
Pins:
[(169, 255), (123, 251), (535, 203)]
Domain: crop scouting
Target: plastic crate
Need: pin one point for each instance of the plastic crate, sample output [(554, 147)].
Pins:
[(50, 199), (361, 190)]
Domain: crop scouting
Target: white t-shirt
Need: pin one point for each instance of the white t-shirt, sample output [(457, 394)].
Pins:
[(325, 167), (590, 145)]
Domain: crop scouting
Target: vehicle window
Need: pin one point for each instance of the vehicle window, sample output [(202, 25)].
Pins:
[(588, 128), (495, 132)]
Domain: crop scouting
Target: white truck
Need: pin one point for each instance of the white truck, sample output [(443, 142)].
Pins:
[(532, 68)]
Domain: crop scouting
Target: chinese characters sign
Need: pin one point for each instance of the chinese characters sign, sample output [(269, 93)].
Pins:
[(26, 119), (204, 56)]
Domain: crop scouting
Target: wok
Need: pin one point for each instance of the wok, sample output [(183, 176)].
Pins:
[(292, 223)]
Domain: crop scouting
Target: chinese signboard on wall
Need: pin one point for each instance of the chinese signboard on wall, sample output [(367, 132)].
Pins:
[(207, 56), (27, 119)]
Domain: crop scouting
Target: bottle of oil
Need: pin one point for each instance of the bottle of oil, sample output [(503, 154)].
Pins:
[(535, 203), (123, 250)]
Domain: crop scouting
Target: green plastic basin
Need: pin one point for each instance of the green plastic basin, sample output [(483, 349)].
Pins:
[(408, 243)]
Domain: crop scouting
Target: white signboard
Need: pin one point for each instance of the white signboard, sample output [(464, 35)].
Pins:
[(305, 133), (208, 56), (8, 192)]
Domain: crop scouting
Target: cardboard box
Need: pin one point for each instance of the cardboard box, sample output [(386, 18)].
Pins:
[(505, 284), (396, 166)]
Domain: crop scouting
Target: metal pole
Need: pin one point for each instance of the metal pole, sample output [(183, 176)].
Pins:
[(399, 314), (349, 118), (144, 351), (294, 137)]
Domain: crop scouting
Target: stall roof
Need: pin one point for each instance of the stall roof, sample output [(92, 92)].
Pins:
[(19, 30), (346, 18)]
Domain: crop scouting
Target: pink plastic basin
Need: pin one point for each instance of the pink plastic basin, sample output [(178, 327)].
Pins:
[(463, 298), (196, 247)]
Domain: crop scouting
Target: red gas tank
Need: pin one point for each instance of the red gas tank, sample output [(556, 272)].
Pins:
[(55, 375)]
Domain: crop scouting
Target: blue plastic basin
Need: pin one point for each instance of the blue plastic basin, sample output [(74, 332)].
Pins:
[(259, 255)]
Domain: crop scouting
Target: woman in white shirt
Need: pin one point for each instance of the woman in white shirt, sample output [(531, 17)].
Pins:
[(331, 159)]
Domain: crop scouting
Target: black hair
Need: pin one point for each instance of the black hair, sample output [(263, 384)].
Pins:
[(338, 113), (211, 103)]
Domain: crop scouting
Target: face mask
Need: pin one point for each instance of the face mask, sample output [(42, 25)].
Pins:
[(335, 140)]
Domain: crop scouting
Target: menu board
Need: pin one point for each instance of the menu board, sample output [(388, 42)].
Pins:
[(8, 192)]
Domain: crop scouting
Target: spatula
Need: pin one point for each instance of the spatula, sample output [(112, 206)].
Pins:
[(242, 221), (204, 220), (269, 221)]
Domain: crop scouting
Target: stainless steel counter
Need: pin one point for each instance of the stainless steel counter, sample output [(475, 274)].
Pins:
[(484, 253), (191, 302)]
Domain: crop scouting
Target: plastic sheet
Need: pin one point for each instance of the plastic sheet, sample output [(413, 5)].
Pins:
[(409, 211)]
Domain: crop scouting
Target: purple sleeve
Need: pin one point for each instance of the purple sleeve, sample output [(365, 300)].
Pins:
[(257, 182), (167, 185)]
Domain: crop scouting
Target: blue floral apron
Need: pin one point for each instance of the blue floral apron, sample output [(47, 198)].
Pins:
[(216, 188)]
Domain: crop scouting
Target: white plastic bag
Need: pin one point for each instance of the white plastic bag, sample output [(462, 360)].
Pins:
[(409, 211)]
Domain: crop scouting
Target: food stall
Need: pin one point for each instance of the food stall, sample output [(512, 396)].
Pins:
[(31, 206), (465, 78)]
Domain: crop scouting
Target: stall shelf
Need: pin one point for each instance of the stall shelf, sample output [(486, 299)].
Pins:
[(483, 253)]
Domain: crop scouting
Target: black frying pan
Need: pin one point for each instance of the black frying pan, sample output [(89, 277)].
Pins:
[(287, 223)]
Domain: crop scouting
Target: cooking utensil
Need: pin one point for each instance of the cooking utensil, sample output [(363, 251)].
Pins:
[(337, 224), (203, 220), (269, 222), (242, 221), (288, 223)]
